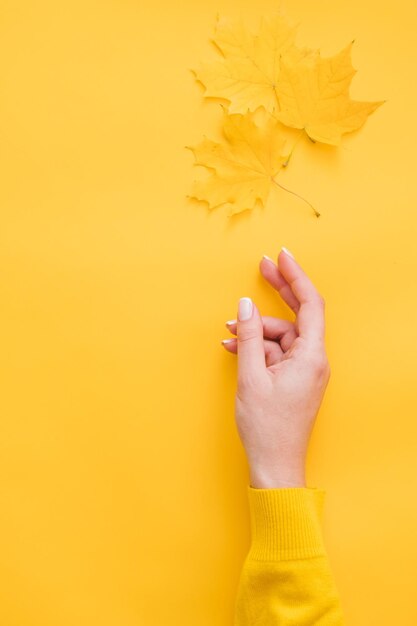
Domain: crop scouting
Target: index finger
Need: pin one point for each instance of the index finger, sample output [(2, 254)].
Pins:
[(271, 273), (310, 315)]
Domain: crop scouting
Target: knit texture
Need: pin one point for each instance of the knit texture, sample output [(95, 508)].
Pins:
[(286, 579), (286, 523)]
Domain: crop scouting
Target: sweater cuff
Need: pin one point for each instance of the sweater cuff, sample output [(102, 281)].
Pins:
[(286, 523)]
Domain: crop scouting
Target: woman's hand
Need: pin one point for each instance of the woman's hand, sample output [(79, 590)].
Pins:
[(283, 372)]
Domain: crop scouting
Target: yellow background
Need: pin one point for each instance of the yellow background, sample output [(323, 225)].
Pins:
[(123, 481)]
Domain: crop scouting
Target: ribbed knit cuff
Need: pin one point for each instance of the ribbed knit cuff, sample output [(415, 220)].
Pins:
[(286, 523)]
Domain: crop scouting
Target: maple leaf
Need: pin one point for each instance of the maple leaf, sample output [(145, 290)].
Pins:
[(248, 73), (313, 95), (243, 168)]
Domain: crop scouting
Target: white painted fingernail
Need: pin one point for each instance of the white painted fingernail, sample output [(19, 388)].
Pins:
[(268, 258), (228, 340), (288, 252), (245, 309), (230, 322)]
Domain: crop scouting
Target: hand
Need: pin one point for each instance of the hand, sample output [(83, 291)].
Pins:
[(283, 373)]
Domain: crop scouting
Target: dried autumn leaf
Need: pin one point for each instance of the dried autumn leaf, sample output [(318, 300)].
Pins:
[(314, 95), (243, 169), (247, 75)]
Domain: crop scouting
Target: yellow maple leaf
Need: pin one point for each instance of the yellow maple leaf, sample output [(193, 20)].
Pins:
[(243, 168), (313, 95), (248, 73)]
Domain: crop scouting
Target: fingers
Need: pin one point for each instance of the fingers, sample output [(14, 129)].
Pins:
[(310, 314), (272, 274), (274, 329), (250, 351), (272, 350)]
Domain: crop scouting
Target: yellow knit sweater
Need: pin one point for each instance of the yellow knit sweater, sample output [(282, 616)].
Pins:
[(286, 578)]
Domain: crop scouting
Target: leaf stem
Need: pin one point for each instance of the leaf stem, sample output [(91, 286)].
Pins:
[(292, 149), (316, 213)]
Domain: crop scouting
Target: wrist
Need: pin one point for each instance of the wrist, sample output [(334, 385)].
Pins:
[(273, 478)]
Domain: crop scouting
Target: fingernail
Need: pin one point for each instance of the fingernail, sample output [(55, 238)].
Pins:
[(268, 258), (288, 252), (245, 309), (227, 340), (230, 322)]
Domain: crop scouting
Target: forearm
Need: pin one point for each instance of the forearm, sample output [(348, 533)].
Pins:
[(286, 577)]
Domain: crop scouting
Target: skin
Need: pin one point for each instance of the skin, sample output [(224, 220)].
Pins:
[(283, 372)]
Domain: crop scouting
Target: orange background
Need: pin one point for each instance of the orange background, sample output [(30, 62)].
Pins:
[(123, 480)]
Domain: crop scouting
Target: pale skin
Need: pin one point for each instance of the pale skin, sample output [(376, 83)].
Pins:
[(283, 372)]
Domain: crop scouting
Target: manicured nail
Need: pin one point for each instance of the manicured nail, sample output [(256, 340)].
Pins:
[(228, 340), (245, 309), (268, 258), (288, 252), (230, 322)]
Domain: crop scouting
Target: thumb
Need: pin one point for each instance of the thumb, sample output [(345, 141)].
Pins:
[(250, 341)]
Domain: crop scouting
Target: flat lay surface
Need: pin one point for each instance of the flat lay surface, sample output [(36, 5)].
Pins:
[(123, 480)]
